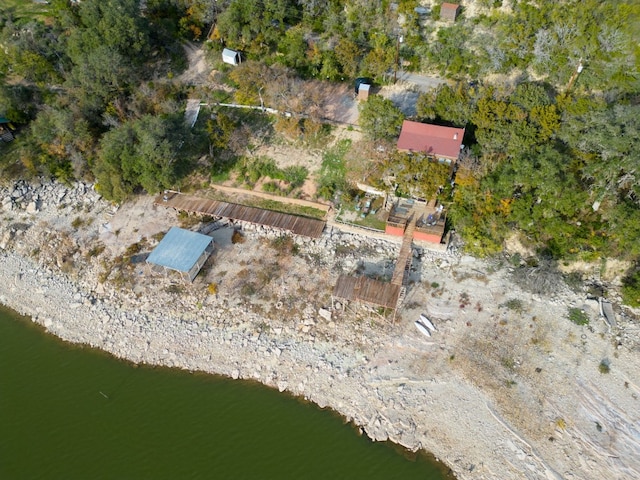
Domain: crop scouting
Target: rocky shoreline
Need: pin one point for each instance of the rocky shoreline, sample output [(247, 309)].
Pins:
[(383, 377)]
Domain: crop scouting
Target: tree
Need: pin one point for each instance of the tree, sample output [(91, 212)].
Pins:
[(418, 175), (220, 131), (64, 143), (108, 49), (252, 78), (144, 153), (33, 52), (348, 55), (197, 14), (380, 118), (453, 105), (610, 135), (367, 162), (116, 24), (631, 287), (293, 48), (18, 103), (257, 27), (98, 77), (381, 57)]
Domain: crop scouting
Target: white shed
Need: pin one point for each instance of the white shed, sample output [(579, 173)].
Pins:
[(363, 92), (231, 57)]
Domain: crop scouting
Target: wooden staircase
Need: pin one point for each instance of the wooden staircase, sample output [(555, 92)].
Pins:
[(400, 274)]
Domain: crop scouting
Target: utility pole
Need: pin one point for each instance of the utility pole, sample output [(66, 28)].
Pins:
[(399, 40)]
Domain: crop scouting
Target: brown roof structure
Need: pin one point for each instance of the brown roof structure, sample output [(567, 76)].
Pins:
[(431, 139), (308, 227), (449, 11), (367, 290)]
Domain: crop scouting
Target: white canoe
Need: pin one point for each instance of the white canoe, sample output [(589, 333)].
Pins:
[(422, 328), (427, 323)]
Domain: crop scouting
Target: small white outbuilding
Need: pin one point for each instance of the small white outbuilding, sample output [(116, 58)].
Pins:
[(232, 57)]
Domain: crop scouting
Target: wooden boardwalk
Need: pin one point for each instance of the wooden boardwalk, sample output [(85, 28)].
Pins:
[(400, 274), (308, 227)]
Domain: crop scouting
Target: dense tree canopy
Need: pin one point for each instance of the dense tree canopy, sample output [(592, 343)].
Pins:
[(143, 153)]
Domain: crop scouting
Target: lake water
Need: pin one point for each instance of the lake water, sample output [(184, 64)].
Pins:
[(70, 412)]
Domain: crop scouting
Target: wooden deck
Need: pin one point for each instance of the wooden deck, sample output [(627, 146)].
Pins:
[(374, 292), (308, 227), (367, 290)]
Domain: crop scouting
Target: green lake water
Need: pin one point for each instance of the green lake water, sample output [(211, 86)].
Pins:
[(68, 412)]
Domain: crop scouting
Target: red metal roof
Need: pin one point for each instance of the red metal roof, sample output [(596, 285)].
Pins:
[(449, 6), (431, 139)]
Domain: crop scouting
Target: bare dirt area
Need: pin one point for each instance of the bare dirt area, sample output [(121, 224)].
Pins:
[(335, 103), (507, 387), (198, 71), (340, 104), (404, 96), (290, 155)]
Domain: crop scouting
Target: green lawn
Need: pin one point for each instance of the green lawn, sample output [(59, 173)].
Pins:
[(25, 9)]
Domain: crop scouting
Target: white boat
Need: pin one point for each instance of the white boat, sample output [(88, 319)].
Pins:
[(427, 323), (424, 330)]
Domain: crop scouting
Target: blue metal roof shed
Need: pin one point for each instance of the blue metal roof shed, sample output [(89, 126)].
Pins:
[(183, 251)]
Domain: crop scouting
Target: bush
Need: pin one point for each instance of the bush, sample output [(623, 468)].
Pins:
[(272, 187), (248, 289), (284, 245), (514, 304), (295, 175), (631, 288), (578, 316), (333, 171), (237, 237), (605, 366)]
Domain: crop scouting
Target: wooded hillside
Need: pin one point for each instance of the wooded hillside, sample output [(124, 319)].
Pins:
[(549, 93)]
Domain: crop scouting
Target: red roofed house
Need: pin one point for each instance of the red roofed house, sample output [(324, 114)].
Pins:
[(449, 11), (443, 143)]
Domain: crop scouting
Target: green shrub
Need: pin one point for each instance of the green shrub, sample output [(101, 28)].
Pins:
[(284, 245), (605, 366), (631, 288), (514, 304), (295, 175), (333, 171), (578, 316)]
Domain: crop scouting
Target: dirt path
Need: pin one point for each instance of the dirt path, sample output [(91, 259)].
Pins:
[(291, 201), (198, 71)]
